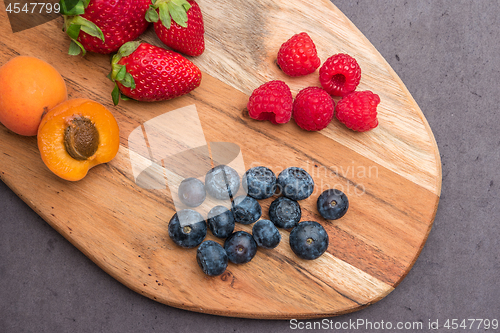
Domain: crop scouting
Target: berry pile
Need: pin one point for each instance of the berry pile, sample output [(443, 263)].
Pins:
[(308, 239), (140, 71), (313, 107)]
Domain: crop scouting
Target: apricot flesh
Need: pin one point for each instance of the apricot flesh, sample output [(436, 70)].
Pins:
[(29, 87), (77, 135)]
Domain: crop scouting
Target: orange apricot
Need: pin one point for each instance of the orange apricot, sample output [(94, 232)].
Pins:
[(77, 135), (29, 87)]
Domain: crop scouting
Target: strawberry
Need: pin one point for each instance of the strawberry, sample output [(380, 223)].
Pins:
[(179, 25), (102, 26), (145, 72)]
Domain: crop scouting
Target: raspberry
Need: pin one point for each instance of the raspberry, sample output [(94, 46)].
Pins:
[(271, 101), (340, 74), (298, 56), (313, 109), (358, 110)]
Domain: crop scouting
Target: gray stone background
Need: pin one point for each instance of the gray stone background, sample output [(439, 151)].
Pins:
[(448, 55)]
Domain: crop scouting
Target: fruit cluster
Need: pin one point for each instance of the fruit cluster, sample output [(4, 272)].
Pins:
[(308, 239), (313, 107), (140, 71), (73, 135)]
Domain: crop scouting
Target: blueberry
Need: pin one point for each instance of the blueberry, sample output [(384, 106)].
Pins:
[(211, 258), (246, 209), (192, 192), (285, 213), (308, 240), (259, 182), (266, 234), (221, 221), (295, 183), (222, 182), (187, 228), (240, 247), (332, 204)]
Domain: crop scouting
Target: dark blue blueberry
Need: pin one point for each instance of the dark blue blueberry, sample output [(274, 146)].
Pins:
[(295, 183), (332, 204), (222, 182), (187, 228), (192, 192), (259, 182), (266, 234), (221, 221), (212, 258), (240, 247), (246, 210), (285, 213), (309, 240)]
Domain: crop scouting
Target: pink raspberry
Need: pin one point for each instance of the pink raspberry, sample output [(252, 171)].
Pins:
[(271, 101), (313, 109), (358, 110)]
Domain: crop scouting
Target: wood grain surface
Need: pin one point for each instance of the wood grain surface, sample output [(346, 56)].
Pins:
[(391, 174)]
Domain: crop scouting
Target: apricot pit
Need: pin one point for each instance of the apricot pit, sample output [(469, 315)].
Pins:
[(81, 138)]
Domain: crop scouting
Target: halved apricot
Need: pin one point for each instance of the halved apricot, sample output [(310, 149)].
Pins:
[(77, 135)]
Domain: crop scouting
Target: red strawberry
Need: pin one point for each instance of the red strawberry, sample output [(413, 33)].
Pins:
[(102, 26), (358, 110), (149, 73), (298, 56), (179, 25)]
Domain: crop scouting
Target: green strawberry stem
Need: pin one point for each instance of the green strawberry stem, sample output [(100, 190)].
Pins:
[(165, 10), (119, 72), (74, 23), (73, 7)]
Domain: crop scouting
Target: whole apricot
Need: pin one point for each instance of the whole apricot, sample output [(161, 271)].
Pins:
[(77, 135), (29, 87)]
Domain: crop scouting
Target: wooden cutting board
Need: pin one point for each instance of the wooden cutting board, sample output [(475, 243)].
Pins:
[(392, 174)]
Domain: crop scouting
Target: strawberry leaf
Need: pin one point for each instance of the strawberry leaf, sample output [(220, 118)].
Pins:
[(75, 48), (121, 73), (164, 10), (73, 31), (89, 27), (182, 3), (178, 13), (115, 94), (128, 48), (128, 81), (152, 14), (72, 7)]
